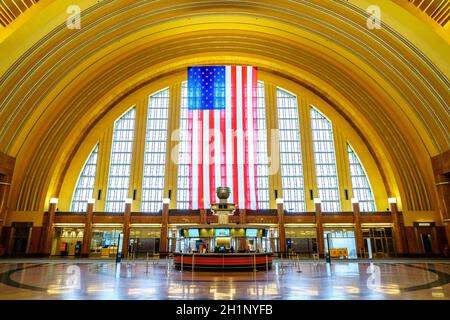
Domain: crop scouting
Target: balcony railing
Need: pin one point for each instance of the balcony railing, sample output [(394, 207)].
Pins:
[(147, 214), (180, 212), (376, 213), (264, 212), (342, 214), (299, 214), (108, 214), (69, 213)]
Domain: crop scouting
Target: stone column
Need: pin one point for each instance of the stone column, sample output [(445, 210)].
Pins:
[(203, 217), (441, 170), (49, 230), (281, 229), (4, 193), (6, 172), (397, 229), (242, 216), (164, 228), (319, 229), (86, 248), (126, 229), (358, 230)]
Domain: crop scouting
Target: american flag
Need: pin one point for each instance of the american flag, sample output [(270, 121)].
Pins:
[(222, 134)]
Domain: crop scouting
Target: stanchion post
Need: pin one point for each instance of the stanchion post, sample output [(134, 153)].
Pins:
[(254, 262), (193, 262), (146, 271), (181, 262), (267, 263)]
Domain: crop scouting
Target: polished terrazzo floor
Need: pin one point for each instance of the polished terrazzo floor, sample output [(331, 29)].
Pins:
[(158, 280)]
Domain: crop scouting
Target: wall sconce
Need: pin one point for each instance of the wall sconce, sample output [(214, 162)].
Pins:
[(317, 201), (166, 200), (53, 200), (392, 200), (279, 201), (128, 201), (354, 200), (91, 201)]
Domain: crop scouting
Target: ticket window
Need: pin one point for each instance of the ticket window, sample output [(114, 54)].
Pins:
[(105, 242), (340, 243), (174, 240), (378, 241), (143, 241), (67, 241), (301, 241)]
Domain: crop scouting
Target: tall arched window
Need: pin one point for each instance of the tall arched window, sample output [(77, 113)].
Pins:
[(360, 183), (262, 157), (120, 162), (155, 152), (183, 191), (290, 152), (86, 183), (325, 162)]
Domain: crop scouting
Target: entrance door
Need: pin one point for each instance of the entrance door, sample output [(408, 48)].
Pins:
[(426, 243), (21, 234)]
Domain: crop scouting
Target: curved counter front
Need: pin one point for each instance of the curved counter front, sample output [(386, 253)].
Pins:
[(223, 261)]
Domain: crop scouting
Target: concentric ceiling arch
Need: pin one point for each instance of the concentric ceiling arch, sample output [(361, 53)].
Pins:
[(69, 79)]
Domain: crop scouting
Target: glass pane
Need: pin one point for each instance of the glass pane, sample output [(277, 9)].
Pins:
[(360, 183), (120, 162), (86, 182), (155, 152), (325, 162), (290, 152)]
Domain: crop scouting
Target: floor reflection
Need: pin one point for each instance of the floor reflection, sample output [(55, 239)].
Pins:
[(287, 280)]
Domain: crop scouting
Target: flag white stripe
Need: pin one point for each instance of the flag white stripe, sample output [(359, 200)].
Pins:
[(240, 137), (217, 150), (206, 158), (251, 157), (229, 133), (195, 141)]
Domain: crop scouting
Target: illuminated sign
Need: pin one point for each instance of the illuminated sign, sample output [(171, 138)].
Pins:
[(424, 224), (222, 232), (251, 232), (193, 233)]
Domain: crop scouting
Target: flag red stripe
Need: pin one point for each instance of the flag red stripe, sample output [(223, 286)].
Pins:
[(201, 203), (223, 149), (212, 158), (190, 123)]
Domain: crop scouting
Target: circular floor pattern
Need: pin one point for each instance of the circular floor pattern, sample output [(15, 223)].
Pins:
[(159, 280)]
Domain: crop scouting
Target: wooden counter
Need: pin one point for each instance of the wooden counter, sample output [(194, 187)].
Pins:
[(223, 261)]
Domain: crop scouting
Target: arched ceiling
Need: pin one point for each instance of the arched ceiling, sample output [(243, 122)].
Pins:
[(392, 93)]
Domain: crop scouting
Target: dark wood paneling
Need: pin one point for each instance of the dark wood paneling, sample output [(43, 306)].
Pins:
[(146, 219), (299, 219), (337, 218), (70, 219), (176, 212), (441, 238), (411, 240), (184, 219), (107, 219), (5, 237), (7, 166), (262, 219), (35, 240), (375, 219)]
